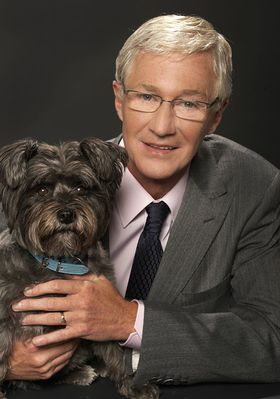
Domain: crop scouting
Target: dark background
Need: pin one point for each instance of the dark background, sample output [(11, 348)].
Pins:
[(56, 69), (58, 57)]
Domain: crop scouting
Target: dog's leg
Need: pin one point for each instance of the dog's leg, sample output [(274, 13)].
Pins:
[(78, 372), (114, 368), (2, 394), (84, 375), (148, 391)]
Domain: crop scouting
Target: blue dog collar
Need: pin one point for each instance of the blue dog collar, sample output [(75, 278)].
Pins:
[(63, 265)]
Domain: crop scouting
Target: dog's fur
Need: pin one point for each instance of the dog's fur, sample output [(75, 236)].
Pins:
[(38, 181)]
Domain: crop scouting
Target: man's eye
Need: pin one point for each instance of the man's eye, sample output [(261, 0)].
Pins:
[(146, 97), (188, 104)]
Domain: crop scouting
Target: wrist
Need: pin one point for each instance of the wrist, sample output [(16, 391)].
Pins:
[(128, 320), (134, 340)]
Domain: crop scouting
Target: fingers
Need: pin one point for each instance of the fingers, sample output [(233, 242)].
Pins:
[(57, 336), (46, 319), (27, 362), (48, 304), (68, 288), (57, 350), (51, 353), (52, 287), (52, 367)]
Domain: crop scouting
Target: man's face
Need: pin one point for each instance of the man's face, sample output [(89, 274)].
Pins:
[(161, 145)]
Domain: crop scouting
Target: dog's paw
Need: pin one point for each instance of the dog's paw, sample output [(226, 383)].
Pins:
[(3, 395), (82, 376), (148, 391)]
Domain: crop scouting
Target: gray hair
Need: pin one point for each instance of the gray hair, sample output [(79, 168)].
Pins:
[(167, 34)]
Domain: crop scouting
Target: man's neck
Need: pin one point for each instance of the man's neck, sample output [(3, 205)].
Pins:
[(157, 188)]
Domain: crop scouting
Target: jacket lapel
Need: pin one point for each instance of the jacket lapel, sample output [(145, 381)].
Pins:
[(205, 204)]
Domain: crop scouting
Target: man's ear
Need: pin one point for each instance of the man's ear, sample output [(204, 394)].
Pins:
[(118, 99), (216, 118), (14, 159)]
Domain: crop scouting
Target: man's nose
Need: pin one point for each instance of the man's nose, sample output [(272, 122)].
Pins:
[(163, 121)]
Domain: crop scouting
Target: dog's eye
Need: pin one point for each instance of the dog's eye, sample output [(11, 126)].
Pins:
[(42, 191), (80, 190)]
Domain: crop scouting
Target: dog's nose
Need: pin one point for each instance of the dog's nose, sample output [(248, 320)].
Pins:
[(66, 216)]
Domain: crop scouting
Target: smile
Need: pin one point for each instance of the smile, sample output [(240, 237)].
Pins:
[(161, 147)]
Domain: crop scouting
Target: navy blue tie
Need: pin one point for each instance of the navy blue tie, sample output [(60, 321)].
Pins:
[(148, 253)]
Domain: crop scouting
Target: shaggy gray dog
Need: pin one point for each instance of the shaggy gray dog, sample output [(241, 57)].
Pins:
[(57, 201)]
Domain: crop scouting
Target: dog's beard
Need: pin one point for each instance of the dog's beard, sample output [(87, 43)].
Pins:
[(45, 234)]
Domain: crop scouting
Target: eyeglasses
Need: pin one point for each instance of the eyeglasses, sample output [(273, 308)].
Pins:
[(183, 108)]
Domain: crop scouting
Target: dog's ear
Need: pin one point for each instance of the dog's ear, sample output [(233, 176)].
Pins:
[(13, 161), (107, 159)]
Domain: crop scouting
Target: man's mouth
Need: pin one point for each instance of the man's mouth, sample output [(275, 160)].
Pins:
[(161, 147)]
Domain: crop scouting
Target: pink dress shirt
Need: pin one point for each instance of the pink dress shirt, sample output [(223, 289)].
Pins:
[(128, 220)]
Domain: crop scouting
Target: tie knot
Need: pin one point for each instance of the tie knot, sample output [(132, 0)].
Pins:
[(157, 213)]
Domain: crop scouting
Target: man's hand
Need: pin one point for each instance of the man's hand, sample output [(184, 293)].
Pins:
[(28, 362), (92, 307)]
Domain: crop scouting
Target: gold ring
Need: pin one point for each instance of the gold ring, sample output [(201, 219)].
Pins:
[(62, 318)]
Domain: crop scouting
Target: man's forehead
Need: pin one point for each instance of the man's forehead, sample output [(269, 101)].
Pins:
[(185, 77)]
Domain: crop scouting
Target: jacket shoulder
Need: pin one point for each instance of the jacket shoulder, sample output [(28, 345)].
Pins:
[(237, 159)]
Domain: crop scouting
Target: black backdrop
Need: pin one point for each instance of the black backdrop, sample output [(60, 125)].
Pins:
[(57, 66)]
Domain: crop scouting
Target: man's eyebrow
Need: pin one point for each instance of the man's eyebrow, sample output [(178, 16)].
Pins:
[(185, 92), (190, 92), (148, 87)]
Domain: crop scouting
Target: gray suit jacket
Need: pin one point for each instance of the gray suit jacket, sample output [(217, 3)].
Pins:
[(213, 312)]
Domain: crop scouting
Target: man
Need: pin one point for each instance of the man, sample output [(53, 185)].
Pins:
[(213, 310)]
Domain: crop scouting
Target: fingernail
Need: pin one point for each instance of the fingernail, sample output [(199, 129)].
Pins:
[(27, 291), (16, 306), (37, 341)]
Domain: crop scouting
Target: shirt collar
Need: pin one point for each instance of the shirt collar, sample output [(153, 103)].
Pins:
[(132, 198)]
